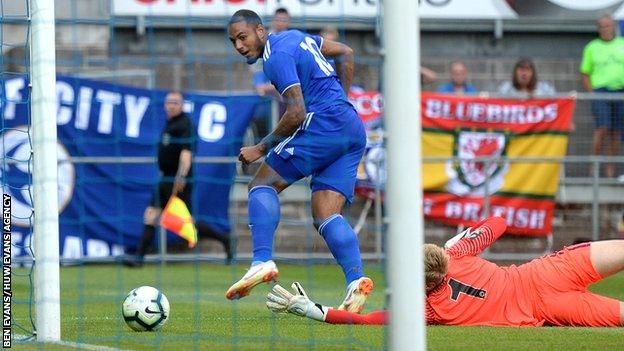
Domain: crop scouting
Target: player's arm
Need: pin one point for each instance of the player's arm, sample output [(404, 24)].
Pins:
[(343, 57), (288, 124), (281, 70), (474, 240), (282, 300)]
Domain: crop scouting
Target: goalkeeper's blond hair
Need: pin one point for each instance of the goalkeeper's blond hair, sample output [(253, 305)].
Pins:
[(436, 264)]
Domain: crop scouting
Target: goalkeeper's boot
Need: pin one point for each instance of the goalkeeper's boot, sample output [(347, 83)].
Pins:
[(260, 273), (357, 292)]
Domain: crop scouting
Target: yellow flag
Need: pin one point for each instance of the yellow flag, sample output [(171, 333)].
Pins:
[(177, 218)]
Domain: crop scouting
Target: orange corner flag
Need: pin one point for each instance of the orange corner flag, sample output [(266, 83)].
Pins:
[(176, 217)]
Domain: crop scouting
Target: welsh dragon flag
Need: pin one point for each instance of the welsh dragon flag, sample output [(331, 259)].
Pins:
[(473, 127)]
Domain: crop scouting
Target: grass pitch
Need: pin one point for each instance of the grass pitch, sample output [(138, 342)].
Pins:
[(202, 319)]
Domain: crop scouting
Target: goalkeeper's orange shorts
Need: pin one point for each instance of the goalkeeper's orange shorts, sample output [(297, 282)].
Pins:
[(559, 290)]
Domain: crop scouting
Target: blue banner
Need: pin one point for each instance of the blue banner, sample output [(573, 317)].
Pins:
[(101, 204)]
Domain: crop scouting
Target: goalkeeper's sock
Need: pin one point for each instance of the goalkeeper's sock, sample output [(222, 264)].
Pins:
[(264, 216), (343, 244)]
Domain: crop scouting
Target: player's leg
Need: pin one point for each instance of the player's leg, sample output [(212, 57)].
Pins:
[(331, 187), (581, 309), (205, 230), (567, 273), (150, 221), (607, 256), (338, 234), (576, 267), (273, 176), (150, 215), (264, 211)]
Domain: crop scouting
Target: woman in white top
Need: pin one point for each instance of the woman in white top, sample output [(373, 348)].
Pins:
[(524, 82)]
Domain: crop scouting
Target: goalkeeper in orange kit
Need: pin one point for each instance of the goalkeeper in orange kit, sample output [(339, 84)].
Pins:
[(464, 289)]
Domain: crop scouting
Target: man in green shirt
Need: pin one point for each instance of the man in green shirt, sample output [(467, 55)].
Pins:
[(602, 71)]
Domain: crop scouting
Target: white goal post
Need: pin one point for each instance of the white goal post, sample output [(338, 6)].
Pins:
[(44, 174), (401, 87)]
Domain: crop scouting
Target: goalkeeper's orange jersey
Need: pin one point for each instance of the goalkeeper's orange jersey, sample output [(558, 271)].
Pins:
[(478, 292)]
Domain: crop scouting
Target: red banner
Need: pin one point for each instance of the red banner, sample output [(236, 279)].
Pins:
[(524, 216), (369, 106), (518, 116), (469, 127)]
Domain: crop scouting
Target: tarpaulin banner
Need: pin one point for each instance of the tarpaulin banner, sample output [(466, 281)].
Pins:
[(468, 127), (101, 204)]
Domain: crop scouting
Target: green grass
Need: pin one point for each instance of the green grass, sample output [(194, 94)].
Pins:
[(202, 319)]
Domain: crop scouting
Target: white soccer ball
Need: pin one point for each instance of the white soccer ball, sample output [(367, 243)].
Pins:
[(145, 309)]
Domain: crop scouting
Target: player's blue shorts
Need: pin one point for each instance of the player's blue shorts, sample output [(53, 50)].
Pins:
[(329, 152)]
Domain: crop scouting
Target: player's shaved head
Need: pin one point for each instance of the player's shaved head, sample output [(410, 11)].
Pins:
[(246, 16), (436, 265), (247, 34)]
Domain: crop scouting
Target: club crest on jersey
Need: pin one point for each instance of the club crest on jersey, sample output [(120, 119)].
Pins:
[(468, 176)]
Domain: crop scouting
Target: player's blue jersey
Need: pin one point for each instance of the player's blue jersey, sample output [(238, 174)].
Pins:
[(294, 58)]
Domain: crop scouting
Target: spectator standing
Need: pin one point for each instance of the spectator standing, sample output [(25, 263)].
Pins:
[(176, 173), (459, 81), (602, 71), (525, 82)]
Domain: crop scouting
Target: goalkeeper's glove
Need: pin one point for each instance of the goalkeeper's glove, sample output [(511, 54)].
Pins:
[(281, 300)]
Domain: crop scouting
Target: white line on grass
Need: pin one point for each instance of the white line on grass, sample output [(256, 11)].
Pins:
[(78, 345)]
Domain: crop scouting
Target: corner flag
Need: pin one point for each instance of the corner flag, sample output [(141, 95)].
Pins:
[(177, 218)]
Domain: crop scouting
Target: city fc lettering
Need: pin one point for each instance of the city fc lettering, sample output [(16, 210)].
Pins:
[(76, 102)]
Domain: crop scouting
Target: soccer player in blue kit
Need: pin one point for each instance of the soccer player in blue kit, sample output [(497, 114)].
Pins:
[(319, 135)]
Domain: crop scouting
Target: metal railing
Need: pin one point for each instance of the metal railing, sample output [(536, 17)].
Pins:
[(590, 191), (575, 186)]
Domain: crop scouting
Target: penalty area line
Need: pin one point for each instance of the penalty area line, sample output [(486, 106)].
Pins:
[(77, 345)]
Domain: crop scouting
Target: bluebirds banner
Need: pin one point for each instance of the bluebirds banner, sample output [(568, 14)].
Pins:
[(101, 204)]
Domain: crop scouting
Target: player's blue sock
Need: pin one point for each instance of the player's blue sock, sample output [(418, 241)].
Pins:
[(264, 215), (343, 244)]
